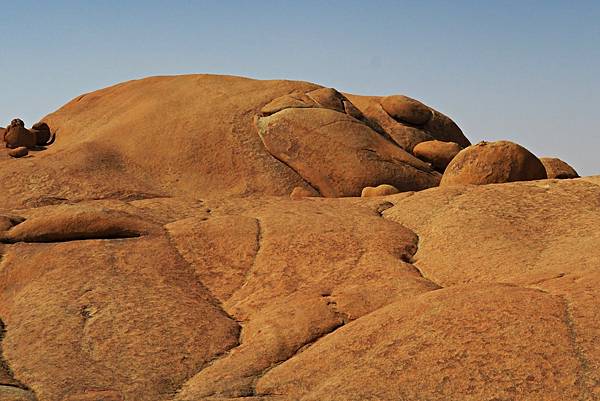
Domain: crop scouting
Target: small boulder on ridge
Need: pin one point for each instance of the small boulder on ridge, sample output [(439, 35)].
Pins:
[(556, 168), (493, 162)]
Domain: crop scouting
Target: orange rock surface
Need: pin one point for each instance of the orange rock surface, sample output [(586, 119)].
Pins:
[(153, 253)]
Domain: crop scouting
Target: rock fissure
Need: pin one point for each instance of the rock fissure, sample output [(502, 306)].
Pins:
[(6, 374), (215, 302), (304, 179), (301, 348), (74, 237), (257, 248), (410, 258), (584, 365)]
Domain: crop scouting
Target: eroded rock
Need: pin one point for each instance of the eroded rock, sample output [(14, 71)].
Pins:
[(328, 98), (406, 109), (438, 153), (556, 168), (42, 133), (72, 223), (18, 152), (439, 346), (7, 221), (407, 135), (302, 192), (493, 162), (338, 155), (16, 135), (380, 190)]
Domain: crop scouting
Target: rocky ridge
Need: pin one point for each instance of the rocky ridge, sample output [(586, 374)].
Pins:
[(153, 253)]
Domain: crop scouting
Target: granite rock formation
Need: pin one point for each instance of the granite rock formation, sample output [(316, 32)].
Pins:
[(154, 253), (556, 168), (493, 163)]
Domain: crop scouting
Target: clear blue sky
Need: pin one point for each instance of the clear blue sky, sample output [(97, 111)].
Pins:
[(527, 71)]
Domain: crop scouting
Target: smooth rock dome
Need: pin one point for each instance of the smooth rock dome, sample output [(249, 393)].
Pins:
[(406, 109), (154, 253), (212, 135), (556, 168), (493, 162)]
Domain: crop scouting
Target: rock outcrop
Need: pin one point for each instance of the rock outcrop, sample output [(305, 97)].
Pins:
[(408, 135), (18, 152), (42, 134), (16, 135), (438, 153), (158, 256), (405, 109), (556, 168), (204, 141), (380, 190), (491, 163), (334, 152)]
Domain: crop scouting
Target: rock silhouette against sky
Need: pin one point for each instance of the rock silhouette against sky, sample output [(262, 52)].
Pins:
[(203, 237)]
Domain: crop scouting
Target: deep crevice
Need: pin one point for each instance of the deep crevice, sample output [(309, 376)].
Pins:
[(50, 239)]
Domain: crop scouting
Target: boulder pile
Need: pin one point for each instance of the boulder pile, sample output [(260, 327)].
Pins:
[(17, 136)]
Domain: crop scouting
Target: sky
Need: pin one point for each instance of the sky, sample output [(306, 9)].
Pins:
[(526, 71)]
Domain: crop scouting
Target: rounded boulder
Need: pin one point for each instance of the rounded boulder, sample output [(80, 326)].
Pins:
[(21, 151), (404, 108), (556, 168), (493, 162), (438, 153), (301, 192), (380, 190)]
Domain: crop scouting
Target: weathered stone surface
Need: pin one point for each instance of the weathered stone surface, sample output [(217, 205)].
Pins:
[(338, 155), (442, 345), (69, 224), (127, 315), (556, 168), (294, 100), (291, 299), (444, 129), (328, 98), (7, 221), (406, 109), (42, 133), (18, 152), (497, 233), (16, 135), (302, 192), (380, 190), (438, 153), (227, 244), (9, 393), (491, 163), (439, 127), (191, 275)]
